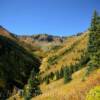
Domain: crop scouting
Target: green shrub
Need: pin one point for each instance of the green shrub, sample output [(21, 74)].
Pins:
[(94, 94)]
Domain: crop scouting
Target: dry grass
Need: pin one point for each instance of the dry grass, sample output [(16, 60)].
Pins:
[(75, 90), (67, 59)]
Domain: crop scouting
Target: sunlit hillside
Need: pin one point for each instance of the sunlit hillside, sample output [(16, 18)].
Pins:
[(74, 90), (69, 54)]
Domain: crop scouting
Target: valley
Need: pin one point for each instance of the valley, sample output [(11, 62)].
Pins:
[(47, 67)]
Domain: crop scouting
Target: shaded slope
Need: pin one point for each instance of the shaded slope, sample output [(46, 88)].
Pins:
[(15, 64)]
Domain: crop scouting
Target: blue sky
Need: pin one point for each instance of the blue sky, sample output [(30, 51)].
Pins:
[(57, 17)]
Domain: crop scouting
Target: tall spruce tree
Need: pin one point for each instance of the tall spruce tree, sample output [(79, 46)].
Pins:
[(94, 43), (94, 40)]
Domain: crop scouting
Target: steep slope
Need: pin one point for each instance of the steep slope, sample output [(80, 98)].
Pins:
[(70, 54), (5, 32), (77, 88), (15, 63), (74, 90)]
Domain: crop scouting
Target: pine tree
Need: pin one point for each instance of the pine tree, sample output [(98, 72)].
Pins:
[(57, 75), (94, 40), (67, 75), (47, 81), (94, 43), (61, 73), (33, 86), (51, 75)]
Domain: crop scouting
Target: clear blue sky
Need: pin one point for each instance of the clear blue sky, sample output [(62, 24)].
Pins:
[(57, 17)]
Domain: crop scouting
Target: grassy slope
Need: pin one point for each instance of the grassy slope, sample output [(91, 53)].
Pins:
[(72, 56), (75, 90)]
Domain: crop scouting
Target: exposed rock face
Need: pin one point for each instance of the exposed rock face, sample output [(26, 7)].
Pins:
[(47, 38), (41, 41), (43, 38)]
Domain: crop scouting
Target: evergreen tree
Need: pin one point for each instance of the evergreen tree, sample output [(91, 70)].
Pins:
[(57, 75), (94, 43), (33, 86), (47, 81), (51, 75), (94, 40), (67, 75), (61, 73)]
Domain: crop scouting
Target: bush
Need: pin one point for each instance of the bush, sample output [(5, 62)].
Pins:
[(94, 94)]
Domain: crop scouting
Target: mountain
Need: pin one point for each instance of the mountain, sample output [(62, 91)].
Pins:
[(41, 44), (71, 54), (15, 63), (43, 38)]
